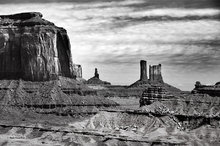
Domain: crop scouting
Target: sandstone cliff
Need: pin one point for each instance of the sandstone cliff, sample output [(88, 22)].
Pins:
[(155, 73), (34, 49)]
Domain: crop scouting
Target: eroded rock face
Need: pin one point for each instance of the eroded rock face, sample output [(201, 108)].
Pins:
[(33, 49), (155, 73), (143, 70), (212, 90)]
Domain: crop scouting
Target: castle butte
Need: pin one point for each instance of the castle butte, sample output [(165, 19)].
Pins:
[(155, 78), (155, 75)]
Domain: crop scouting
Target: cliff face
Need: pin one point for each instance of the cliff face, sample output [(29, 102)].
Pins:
[(155, 74), (33, 49), (143, 70), (211, 90)]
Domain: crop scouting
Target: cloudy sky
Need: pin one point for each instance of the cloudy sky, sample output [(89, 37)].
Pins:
[(114, 35)]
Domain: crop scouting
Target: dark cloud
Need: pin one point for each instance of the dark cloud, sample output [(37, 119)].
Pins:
[(147, 4), (200, 60), (165, 18), (52, 1), (124, 21), (203, 43), (197, 62)]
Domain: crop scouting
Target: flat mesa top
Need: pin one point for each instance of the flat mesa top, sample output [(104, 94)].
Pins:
[(24, 19)]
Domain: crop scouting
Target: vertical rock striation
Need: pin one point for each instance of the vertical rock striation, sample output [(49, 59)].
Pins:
[(143, 70), (78, 70), (34, 49), (143, 81), (155, 74)]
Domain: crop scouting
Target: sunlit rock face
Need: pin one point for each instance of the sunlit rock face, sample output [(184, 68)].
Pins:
[(34, 49)]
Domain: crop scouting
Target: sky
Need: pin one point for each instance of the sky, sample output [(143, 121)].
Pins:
[(114, 36)]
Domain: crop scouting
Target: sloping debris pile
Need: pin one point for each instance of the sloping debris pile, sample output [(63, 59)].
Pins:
[(71, 86), (48, 98), (156, 107), (121, 122), (200, 105)]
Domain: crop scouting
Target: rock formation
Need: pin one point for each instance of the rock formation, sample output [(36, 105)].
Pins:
[(143, 81), (143, 70), (78, 70), (212, 90), (78, 73), (36, 69), (33, 49), (191, 111), (155, 74), (96, 81), (155, 78), (96, 74)]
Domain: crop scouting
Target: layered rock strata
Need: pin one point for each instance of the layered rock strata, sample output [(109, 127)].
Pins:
[(33, 49), (155, 73), (143, 70), (55, 97), (212, 90), (191, 110)]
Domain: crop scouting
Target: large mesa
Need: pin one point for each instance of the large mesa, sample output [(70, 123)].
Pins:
[(36, 69), (33, 49)]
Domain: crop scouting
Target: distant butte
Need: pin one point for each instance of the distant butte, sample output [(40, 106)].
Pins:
[(155, 78), (155, 75), (96, 81)]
